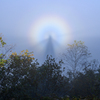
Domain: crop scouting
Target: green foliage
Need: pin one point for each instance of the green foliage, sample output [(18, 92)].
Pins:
[(22, 79), (2, 61), (49, 79), (1, 41), (17, 78)]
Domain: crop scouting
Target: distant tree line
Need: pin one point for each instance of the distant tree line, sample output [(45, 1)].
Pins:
[(22, 79)]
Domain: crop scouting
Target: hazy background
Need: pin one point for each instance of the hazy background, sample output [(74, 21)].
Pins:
[(82, 16)]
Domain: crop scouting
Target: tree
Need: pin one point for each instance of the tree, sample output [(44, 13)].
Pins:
[(50, 81), (18, 81), (75, 56), (15, 72), (86, 82), (4, 49)]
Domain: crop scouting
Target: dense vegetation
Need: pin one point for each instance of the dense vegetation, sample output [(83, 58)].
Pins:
[(21, 77)]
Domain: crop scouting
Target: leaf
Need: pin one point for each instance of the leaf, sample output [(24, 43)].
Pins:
[(17, 58), (26, 50), (0, 38), (1, 55)]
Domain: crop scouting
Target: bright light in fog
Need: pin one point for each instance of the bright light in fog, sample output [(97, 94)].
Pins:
[(50, 25)]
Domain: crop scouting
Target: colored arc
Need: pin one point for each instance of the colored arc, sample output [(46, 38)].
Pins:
[(48, 25)]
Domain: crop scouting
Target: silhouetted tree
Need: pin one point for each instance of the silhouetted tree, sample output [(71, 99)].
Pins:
[(50, 79), (75, 56)]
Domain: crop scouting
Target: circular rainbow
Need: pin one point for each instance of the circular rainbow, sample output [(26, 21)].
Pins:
[(50, 25)]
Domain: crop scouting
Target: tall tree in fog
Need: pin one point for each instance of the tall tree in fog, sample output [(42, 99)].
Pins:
[(76, 55)]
